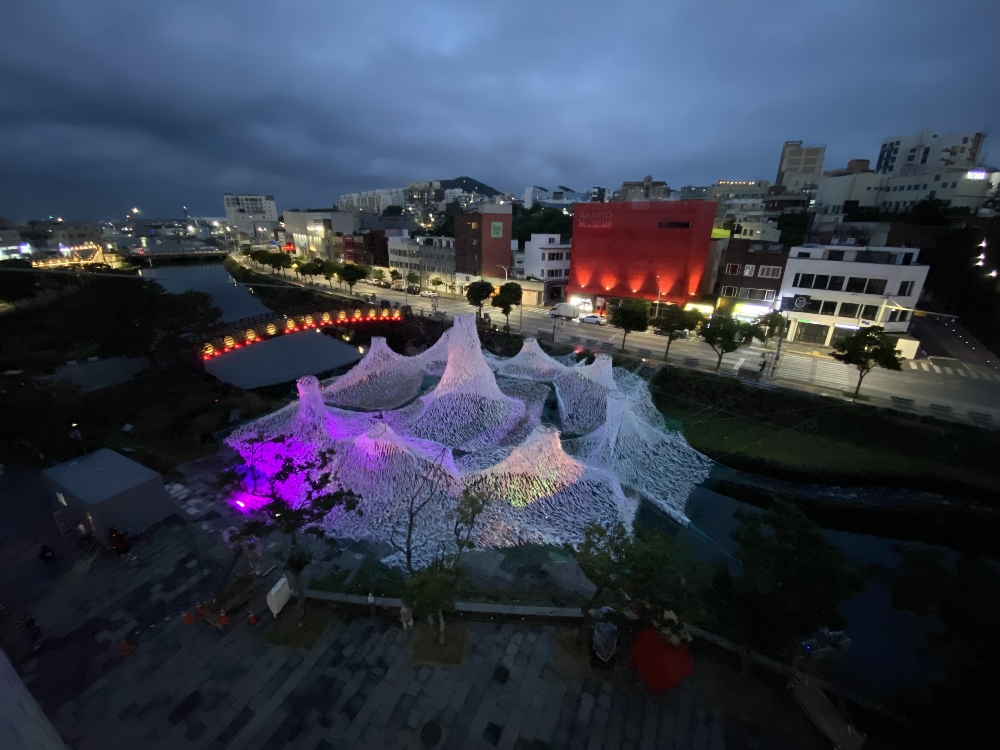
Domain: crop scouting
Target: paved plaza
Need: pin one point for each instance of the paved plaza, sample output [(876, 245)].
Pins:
[(195, 686)]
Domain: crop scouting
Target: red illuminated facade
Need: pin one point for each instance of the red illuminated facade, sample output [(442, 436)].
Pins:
[(639, 248)]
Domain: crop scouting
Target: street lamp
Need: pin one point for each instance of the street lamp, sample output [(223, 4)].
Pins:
[(657, 295)]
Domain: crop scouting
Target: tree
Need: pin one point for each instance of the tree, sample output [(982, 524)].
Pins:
[(436, 282), (331, 268), (631, 315), (465, 515), (725, 334), (772, 324), (289, 516), (378, 274), (509, 295), (793, 581), (412, 278), (395, 275), (540, 220), (432, 591), (351, 274), (392, 210), (601, 557), (425, 490), (477, 293), (866, 349), (310, 268), (17, 282), (675, 319), (959, 600)]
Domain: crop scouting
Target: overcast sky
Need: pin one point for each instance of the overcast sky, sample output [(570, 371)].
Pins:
[(109, 104)]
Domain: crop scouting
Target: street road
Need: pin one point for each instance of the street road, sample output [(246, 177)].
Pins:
[(943, 382)]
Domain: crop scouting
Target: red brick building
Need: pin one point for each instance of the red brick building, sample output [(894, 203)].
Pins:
[(482, 240), (641, 248)]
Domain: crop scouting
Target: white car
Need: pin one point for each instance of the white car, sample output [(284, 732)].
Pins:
[(596, 320), (429, 293)]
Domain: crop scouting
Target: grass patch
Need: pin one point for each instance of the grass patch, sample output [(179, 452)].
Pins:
[(374, 577), (286, 630), (781, 433), (425, 650)]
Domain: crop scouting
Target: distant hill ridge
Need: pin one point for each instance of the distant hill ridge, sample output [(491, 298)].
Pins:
[(470, 185)]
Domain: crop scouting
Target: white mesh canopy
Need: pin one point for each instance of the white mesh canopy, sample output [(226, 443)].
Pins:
[(381, 380), (480, 428)]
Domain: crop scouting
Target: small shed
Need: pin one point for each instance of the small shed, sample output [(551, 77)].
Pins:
[(105, 489)]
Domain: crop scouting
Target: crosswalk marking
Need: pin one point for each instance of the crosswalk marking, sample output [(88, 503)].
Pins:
[(925, 367), (936, 369), (913, 365), (949, 371), (973, 374), (961, 372)]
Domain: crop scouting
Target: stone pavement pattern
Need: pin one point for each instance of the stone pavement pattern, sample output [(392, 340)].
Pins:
[(197, 687)]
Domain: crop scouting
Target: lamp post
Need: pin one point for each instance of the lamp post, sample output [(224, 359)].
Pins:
[(657, 296)]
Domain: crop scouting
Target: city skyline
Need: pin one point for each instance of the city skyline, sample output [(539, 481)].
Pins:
[(175, 105)]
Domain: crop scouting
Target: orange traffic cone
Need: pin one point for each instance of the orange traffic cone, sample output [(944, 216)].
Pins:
[(200, 609), (223, 619), (126, 649), (252, 619), (188, 618)]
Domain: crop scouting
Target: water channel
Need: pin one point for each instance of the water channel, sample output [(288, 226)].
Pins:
[(277, 360)]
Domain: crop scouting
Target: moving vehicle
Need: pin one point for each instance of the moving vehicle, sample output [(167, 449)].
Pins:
[(679, 334), (429, 293), (596, 320), (564, 310)]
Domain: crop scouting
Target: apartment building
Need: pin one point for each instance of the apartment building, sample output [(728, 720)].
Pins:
[(750, 277), (482, 241), (830, 291), (548, 259), (800, 167), (429, 257)]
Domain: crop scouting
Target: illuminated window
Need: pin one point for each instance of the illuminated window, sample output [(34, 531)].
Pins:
[(748, 269), (769, 272)]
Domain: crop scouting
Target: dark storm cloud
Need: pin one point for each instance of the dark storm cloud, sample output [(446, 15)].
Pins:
[(109, 104)]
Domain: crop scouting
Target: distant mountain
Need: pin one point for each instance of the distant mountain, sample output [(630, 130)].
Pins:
[(470, 185)]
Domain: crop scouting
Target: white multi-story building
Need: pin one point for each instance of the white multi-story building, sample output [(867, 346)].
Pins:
[(927, 151), (546, 258), (830, 291), (375, 201), (253, 215), (563, 197), (956, 186)]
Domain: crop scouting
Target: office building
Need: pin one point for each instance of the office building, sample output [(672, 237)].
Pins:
[(255, 216), (428, 257), (800, 167), (650, 250), (830, 291), (482, 241)]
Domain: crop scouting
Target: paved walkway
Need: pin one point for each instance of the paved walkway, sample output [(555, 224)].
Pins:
[(194, 686)]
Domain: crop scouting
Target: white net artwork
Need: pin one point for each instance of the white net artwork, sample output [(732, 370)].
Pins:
[(552, 446)]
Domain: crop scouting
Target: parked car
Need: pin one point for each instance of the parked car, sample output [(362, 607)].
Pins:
[(385, 284), (595, 320), (429, 293), (412, 289)]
